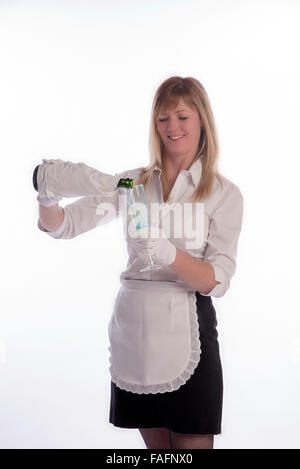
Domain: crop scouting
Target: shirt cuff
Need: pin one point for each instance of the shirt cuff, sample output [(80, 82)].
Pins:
[(55, 234), (220, 289)]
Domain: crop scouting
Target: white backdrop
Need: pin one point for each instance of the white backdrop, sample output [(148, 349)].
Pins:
[(77, 82)]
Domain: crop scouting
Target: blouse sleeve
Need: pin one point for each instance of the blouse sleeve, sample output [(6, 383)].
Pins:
[(86, 214), (222, 242)]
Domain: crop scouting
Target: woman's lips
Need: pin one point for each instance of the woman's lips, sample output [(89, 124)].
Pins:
[(175, 139)]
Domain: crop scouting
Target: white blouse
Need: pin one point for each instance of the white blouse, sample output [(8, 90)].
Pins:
[(222, 211)]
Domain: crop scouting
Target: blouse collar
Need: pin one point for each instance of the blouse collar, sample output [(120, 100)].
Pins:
[(195, 171)]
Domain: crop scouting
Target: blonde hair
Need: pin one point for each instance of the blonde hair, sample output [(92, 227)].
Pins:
[(194, 95)]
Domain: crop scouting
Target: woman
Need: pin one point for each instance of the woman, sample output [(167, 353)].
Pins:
[(165, 364)]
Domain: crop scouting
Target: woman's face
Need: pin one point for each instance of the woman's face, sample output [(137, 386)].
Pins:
[(179, 129)]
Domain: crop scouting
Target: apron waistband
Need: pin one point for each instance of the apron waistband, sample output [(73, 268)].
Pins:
[(155, 285)]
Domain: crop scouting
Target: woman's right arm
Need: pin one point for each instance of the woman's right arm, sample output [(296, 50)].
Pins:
[(84, 214), (51, 218)]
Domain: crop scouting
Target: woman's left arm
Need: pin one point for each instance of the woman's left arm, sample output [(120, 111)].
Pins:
[(211, 276), (195, 272)]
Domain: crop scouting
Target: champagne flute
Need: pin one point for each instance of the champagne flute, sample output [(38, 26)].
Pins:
[(139, 216)]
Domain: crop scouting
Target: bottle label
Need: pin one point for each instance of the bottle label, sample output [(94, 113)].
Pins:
[(126, 182)]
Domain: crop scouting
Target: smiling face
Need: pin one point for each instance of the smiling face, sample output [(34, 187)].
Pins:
[(179, 129)]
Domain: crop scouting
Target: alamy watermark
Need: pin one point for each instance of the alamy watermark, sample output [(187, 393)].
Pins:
[(178, 220)]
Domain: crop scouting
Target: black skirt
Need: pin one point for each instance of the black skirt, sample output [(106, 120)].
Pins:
[(196, 407)]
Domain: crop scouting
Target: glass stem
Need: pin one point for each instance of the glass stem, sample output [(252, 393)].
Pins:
[(151, 260)]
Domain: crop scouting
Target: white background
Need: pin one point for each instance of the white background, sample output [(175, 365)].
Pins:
[(77, 82)]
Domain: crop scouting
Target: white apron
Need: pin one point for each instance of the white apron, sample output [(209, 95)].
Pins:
[(154, 336)]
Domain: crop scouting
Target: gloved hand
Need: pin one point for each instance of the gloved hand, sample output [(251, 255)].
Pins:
[(44, 201), (56, 177), (163, 252)]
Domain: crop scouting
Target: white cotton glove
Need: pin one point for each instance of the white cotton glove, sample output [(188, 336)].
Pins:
[(43, 200), (161, 249), (58, 178)]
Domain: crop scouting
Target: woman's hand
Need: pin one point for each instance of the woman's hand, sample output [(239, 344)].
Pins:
[(42, 197), (158, 245)]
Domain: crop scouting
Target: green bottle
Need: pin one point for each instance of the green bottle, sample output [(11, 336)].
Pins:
[(126, 182)]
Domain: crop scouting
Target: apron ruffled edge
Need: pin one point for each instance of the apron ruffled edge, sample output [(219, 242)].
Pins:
[(188, 370)]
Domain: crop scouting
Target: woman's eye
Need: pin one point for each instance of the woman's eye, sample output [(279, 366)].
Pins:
[(163, 120)]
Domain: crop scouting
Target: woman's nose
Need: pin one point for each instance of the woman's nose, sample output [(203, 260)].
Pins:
[(172, 125)]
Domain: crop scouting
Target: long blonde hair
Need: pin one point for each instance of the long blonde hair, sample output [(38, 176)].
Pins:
[(194, 95)]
